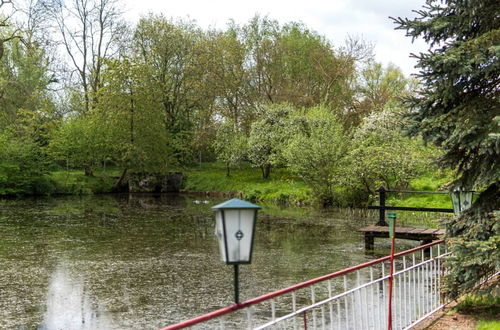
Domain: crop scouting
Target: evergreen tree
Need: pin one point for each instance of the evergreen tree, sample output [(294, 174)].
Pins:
[(456, 110)]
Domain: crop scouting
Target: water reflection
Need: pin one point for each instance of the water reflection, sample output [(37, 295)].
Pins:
[(69, 306), (144, 261)]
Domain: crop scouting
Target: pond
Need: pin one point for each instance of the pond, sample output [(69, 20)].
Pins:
[(147, 261)]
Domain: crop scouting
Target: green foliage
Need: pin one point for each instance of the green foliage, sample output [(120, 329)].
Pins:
[(22, 167), (282, 187), (474, 240), (26, 114), (73, 182), (456, 110), (268, 136), (170, 55), (376, 88), (381, 155), (230, 145), (131, 123), (24, 78), (484, 308), (316, 151), (488, 325), (78, 143), (488, 304)]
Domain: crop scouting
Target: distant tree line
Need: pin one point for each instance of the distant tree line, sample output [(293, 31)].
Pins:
[(163, 93)]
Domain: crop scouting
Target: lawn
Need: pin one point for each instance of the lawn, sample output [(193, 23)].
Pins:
[(280, 187)]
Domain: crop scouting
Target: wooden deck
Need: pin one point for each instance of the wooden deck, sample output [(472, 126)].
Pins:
[(425, 235)]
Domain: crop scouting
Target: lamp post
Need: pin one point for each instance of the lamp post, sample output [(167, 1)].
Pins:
[(461, 200), (234, 228)]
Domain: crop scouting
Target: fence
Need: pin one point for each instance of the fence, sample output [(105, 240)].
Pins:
[(382, 207), (353, 298)]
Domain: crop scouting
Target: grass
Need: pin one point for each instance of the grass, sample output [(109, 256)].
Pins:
[(280, 187), (479, 304), (488, 325), (485, 309), (74, 182), (428, 182)]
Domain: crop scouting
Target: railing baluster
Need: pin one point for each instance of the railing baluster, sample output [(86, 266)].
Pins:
[(384, 299), (338, 314), (434, 285), (294, 309), (353, 310), (345, 302), (427, 286), (249, 317), (221, 323), (323, 322), (416, 294), (367, 308), (330, 305), (313, 300), (399, 302), (405, 292), (358, 302)]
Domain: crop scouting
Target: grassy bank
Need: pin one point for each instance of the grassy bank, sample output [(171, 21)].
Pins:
[(74, 182), (485, 310), (427, 182), (246, 181), (471, 312), (281, 187)]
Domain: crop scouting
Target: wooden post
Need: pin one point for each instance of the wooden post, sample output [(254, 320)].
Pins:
[(381, 217), (427, 251), (369, 241)]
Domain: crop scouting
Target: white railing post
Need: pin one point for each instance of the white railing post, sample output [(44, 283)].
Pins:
[(362, 305)]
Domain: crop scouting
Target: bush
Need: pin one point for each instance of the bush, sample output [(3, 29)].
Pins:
[(44, 185)]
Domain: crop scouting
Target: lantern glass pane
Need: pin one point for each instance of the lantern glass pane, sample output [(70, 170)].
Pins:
[(466, 200), (455, 200), (219, 233), (239, 230), (462, 200)]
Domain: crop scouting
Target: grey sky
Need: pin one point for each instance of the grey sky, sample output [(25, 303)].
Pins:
[(333, 19)]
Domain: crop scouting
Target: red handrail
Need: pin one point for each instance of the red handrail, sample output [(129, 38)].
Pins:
[(253, 301)]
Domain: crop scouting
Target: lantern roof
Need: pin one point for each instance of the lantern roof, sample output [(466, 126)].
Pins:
[(236, 203)]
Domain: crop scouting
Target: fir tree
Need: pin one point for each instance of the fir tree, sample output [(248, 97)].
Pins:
[(458, 109)]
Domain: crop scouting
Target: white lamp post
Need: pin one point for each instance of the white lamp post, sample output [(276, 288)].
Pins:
[(461, 200), (235, 227)]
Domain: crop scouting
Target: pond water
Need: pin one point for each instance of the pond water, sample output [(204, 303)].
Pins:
[(145, 261)]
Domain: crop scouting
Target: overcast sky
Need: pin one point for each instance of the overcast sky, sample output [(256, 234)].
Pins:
[(334, 19)]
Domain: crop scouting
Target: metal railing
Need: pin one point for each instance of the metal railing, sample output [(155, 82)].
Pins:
[(382, 207), (353, 298)]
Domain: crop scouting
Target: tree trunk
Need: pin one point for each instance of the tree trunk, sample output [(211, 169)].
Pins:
[(266, 171), (88, 171), (228, 170), (120, 179)]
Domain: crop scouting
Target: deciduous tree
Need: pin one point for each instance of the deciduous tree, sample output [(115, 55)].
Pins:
[(90, 31), (316, 150), (230, 145), (268, 137)]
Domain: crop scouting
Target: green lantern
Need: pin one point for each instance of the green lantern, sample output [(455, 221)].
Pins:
[(235, 228), (461, 200)]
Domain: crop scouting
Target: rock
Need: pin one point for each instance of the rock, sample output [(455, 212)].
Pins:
[(155, 183)]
